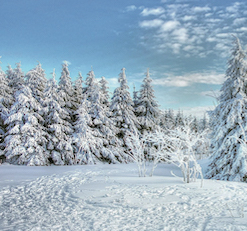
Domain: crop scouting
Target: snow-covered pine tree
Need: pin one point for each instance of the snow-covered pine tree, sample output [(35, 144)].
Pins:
[(167, 121), (90, 82), (66, 92), (203, 124), (122, 108), (103, 131), (229, 123), (86, 145), (78, 91), (6, 100), (104, 90), (103, 127), (147, 110), (179, 119), (36, 81), (15, 77), (58, 128), (194, 125), (135, 99), (25, 141)]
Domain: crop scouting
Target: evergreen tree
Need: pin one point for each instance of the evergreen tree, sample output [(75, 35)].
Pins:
[(147, 110), (204, 124), (78, 91), (66, 92), (90, 82), (58, 128), (194, 125), (135, 100), (179, 119), (229, 121), (103, 127), (122, 108), (103, 131), (167, 120), (104, 90), (36, 81), (6, 100), (86, 145), (25, 138), (15, 77)]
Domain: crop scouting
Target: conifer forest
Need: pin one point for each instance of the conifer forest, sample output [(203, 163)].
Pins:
[(45, 122)]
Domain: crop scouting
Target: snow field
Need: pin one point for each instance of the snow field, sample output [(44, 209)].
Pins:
[(112, 197)]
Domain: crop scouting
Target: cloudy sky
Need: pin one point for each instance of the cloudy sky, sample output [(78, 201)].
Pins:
[(185, 43)]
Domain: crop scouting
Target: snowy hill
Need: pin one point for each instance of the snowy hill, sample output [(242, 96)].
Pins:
[(112, 197)]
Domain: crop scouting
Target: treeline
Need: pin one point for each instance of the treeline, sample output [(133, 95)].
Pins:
[(43, 122)]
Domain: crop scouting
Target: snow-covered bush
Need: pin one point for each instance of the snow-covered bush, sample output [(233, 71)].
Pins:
[(136, 148), (177, 148)]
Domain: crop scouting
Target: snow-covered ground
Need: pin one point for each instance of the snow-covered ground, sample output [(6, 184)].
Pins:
[(113, 197)]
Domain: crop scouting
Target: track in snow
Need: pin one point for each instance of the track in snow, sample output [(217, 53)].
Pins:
[(109, 199)]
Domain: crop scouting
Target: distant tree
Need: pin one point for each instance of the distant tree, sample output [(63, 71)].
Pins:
[(194, 125), (36, 81), (15, 77), (25, 138), (179, 119), (167, 120), (66, 92), (104, 90), (204, 123), (147, 110), (90, 83), (122, 108), (58, 128), (78, 90), (135, 99), (229, 121)]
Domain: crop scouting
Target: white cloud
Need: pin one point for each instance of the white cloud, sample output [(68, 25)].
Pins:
[(170, 25), (151, 23), (198, 9), (189, 79), (239, 21), (152, 11), (223, 35), (188, 18), (181, 35), (131, 8), (242, 29), (183, 27)]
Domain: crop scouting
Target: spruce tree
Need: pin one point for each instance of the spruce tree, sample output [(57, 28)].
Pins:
[(66, 92), (36, 81), (104, 90), (103, 127), (25, 138), (122, 108), (15, 77), (58, 128), (6, 100), (86, 145), (147, 110), (229, 121), (78, 91)]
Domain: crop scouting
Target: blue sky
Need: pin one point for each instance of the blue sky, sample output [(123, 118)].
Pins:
[(185, 43)]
